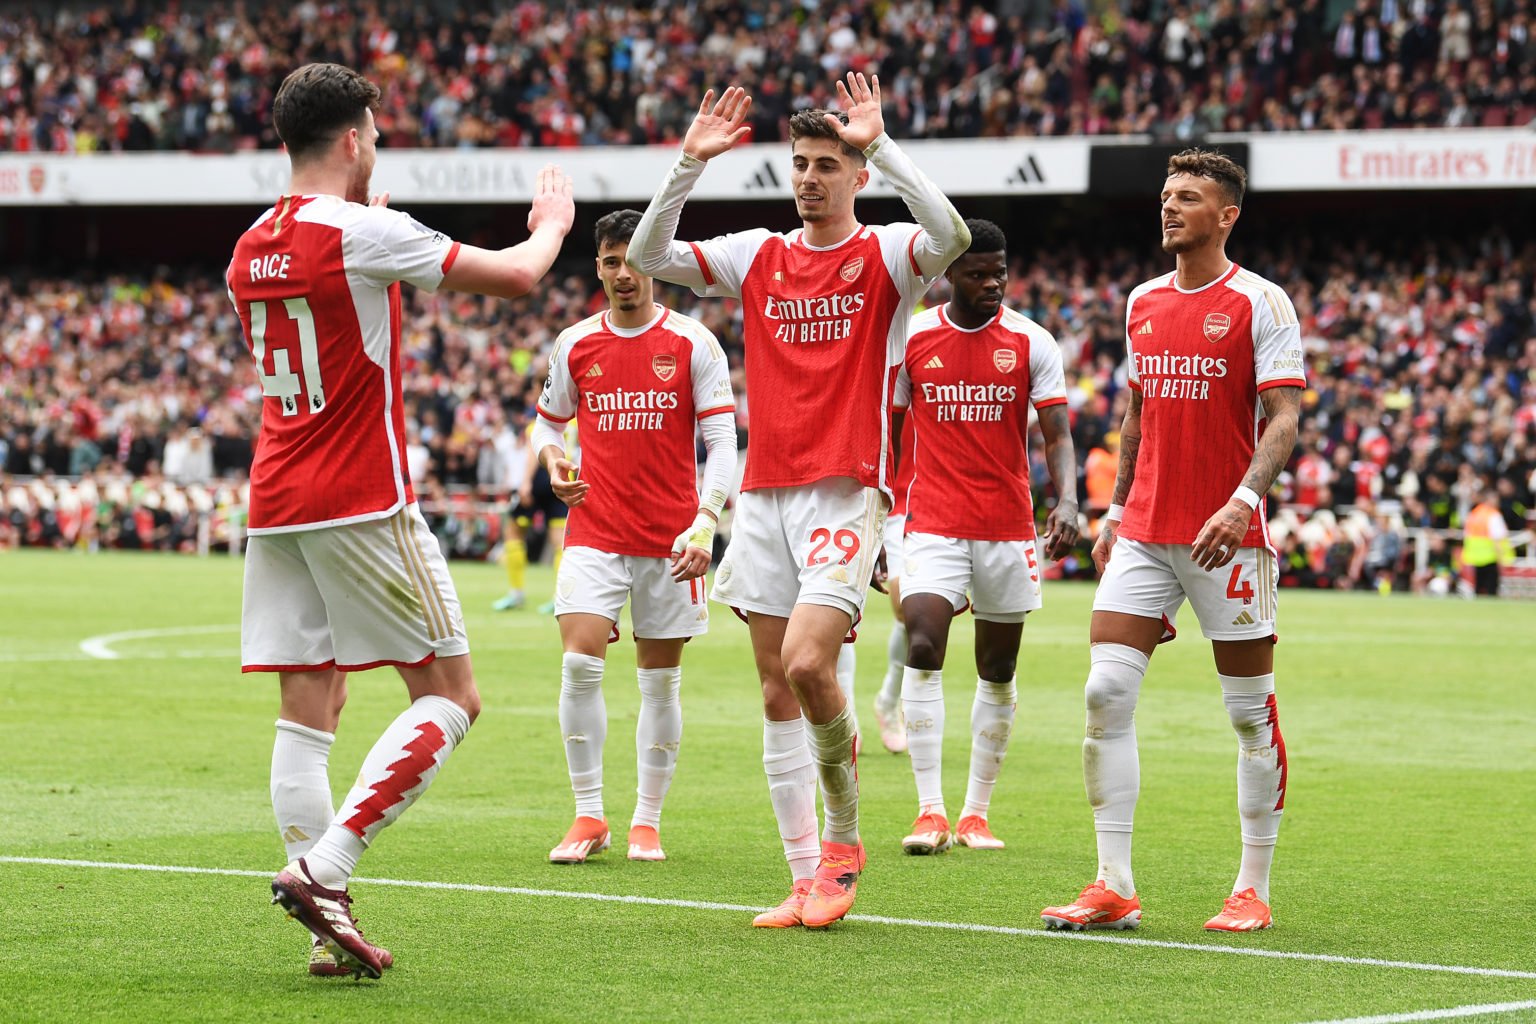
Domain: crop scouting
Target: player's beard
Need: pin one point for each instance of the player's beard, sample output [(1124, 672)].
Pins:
[(357, 188), (1188, 243)]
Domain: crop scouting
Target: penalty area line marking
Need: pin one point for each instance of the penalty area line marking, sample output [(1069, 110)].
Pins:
[(902, 922), (1478, 1010)]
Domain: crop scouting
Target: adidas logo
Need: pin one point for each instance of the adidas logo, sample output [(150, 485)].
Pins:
[(934, 364), (1026, 173), (764, 179), (1145, 328), (294, 834), (596, 371), (839, 575), (1244, 619)]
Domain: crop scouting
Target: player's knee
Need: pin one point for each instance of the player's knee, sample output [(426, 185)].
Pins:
[(660, 685), (998, 669), (469, 701), (807, 669), (923, 650)]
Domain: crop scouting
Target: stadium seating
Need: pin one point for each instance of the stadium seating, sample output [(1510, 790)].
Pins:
[(158, 75)]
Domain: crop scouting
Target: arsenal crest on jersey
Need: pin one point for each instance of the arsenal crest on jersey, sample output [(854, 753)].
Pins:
[(1216, 326), (1005, 359), (850, 270), (664, 366)]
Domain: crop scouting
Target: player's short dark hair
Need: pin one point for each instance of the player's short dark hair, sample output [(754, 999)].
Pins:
[(318, 102), (1220, 168), (985, 236), (812, 124), (616, 228)]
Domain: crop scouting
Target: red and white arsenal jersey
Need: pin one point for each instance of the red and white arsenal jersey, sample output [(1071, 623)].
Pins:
[(316, 283), (1200, 359), (903, 467), (636, 394), (825, 331), (969, 393)]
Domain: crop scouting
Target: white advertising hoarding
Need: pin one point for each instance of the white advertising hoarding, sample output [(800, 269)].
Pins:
[(1346, 161), (990, 167)]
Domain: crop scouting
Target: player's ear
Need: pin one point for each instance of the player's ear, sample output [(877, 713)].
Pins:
[(1229, 215), (861, 179)]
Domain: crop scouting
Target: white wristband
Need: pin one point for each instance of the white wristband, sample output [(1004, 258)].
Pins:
[(1247, 495), (1115, 513)]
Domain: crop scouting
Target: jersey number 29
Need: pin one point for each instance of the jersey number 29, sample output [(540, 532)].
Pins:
[(282, 383)]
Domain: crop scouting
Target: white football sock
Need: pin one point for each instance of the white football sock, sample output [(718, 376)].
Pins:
[(792, 790), (584, 725), (1261, 774), (658, 732), (991, 728), (301, 785), (896, 663), (832, 746), (847, 671), (922, 701), (1111, 769), (399, 768)]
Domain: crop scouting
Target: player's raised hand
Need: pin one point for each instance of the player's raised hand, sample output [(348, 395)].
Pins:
[(861, 102), (719, 125), (382, 199), (553, 206), (1061, 530), (1105, 545), (1218, 540), (563, 481)]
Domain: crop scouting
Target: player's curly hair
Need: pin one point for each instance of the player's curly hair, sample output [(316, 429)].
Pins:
[(616, 228), (318, 102), (985, 236), (812, 124), (1220, 168)]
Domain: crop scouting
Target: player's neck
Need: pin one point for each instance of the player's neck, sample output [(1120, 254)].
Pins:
[(318, 181), (822, 234), (966, 318), (633, 319), (1199, 268)]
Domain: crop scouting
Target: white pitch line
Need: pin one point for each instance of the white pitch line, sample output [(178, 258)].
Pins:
[(905, 922), (1480, 1010), (101, 646)]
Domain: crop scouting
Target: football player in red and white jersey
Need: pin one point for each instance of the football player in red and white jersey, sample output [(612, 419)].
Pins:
[(974, 369), (341, 572), (826, 314), (1216, 375), (636, 378)]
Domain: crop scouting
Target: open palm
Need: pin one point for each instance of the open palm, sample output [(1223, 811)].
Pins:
[(860, 98), (718, 125)]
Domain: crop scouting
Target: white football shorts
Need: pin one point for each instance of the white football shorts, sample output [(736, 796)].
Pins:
[(815, 544), (895, 546), (352, 597), (1236, 602), (660, 608), (1000, 578)]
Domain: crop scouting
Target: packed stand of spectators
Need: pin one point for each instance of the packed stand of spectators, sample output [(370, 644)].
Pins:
[(81, 77), (1423, 396)]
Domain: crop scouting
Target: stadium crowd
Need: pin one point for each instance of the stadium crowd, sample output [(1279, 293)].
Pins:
[(80, 77), (1423, 397)]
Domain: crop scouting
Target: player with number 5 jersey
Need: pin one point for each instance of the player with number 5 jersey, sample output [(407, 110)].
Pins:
[(1216, 375), (638, 379), (825, 311), (341, 572)]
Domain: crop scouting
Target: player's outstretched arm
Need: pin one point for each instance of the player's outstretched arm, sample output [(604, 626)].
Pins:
[(1222, 535), (654, 250), (511, 272), (945, 235), (1125, 476), (1061, 459)]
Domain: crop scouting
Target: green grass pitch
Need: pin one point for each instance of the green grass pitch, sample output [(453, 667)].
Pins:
[(1409, 834)]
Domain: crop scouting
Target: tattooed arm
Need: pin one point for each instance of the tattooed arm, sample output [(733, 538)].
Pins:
[(1061, 524), (1125, 476), (1221, 535)]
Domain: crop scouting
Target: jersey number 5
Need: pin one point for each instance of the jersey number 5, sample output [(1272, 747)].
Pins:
[(845, 541), (282, 383)]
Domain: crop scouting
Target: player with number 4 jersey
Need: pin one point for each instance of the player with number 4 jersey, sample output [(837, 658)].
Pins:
[(1216, 375), (636, 378), (974, 370), (341, 572), (825, 312)]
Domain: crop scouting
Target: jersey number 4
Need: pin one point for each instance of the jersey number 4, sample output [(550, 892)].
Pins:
[(282, 383), (1233, 590)]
